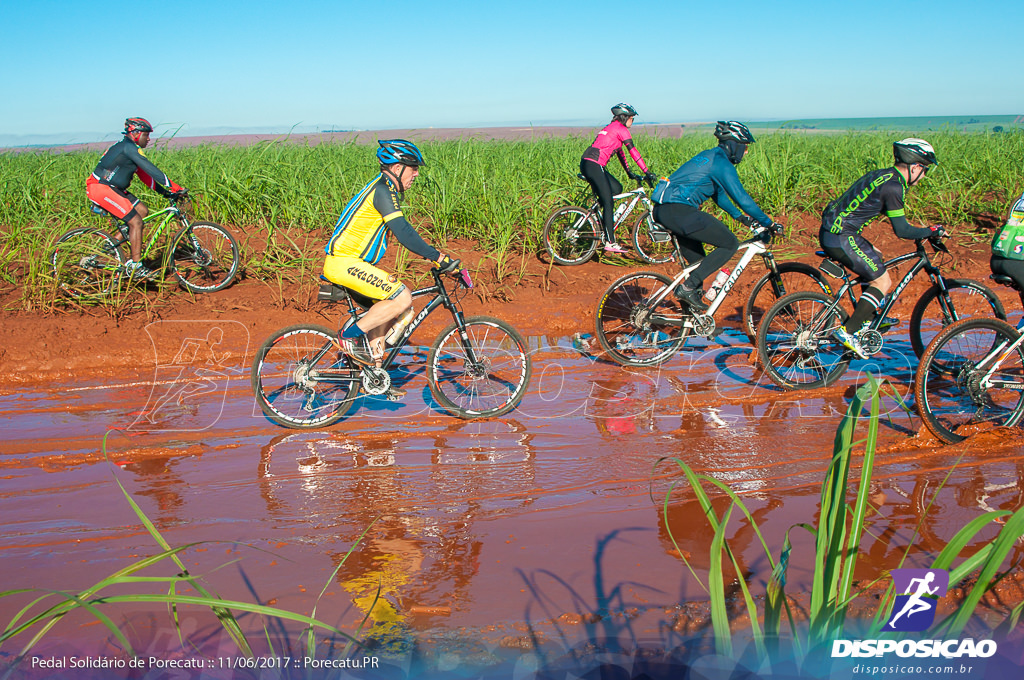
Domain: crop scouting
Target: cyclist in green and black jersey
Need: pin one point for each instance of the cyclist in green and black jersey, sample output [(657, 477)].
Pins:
[(880, 192)]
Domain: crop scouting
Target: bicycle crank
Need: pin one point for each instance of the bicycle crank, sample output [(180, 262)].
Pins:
[(871, 341), (376, 381), (703, 325)]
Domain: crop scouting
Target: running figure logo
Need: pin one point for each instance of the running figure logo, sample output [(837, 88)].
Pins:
[(914, 609)]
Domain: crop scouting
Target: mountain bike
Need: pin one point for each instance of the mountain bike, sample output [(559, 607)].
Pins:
[(478, 367), (795, 344), (572, 234), (640, 322), (972, 373), (202, 256)]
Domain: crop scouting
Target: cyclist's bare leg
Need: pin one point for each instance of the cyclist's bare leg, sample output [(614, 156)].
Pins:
[(384, 311), (883, 282), (135, 230)]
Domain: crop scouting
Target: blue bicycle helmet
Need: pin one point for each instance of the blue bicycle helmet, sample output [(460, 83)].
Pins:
[(399, 151)]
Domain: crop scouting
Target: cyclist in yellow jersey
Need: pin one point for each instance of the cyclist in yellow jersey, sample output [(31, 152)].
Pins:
[(360, 240)]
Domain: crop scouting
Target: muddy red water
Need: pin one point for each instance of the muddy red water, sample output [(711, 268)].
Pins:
[(477, 547)]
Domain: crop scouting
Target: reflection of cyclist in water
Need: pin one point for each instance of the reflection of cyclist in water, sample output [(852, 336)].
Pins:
[(420, 551), (915, 603)]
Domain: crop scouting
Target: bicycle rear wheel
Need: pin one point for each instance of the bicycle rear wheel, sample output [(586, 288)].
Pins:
[(794, 342), (652, 241), (301, 379), (631, 330), (85, 263), (571, 235), (482, 374), (952, 394), (205, 260), (792, 277), (933, 313)]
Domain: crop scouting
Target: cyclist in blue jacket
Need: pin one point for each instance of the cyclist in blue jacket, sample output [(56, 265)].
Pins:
[(709, 174)]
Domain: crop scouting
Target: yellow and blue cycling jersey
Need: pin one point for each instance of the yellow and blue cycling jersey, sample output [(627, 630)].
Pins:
[(360, 240), (363, 226)]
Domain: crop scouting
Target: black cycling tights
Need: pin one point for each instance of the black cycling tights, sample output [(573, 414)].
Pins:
[(605, 186), (693, 228)]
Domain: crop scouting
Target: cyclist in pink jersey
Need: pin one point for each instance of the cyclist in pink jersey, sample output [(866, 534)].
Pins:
[(613, 139)]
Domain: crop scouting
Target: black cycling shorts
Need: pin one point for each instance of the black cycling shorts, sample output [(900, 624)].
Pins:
[(855, 253)]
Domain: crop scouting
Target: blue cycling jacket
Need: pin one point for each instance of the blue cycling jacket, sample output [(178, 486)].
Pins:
[(710, 174)]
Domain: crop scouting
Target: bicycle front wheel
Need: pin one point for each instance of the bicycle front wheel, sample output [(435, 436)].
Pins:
[(935, 311), (633, 329), (481, 373), (652, 241), (792, 277), (301, 379), (958, 391), (85, 263), (571, 235), (204, 257), (795, 344)]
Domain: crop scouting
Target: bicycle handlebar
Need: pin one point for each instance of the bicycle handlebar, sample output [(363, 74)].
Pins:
[(460, 275)]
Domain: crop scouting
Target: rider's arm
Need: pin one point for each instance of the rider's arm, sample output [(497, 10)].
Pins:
[(725, 175), (627, 144), (723, 202), (906, 230), (386, 203), (408, 237), (151, 175), (892, 204)]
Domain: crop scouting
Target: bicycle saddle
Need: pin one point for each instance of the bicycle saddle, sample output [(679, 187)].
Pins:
[(332, 292), (1005, 280)]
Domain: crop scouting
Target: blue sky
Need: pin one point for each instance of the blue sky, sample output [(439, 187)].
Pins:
[(72, 71)]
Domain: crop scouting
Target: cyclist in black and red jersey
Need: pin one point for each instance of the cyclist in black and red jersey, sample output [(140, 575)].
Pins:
[(593, 166), (108, 185), (879, 192)]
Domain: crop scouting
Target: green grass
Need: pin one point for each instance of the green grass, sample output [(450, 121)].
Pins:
[(497, 193), (844, 508)]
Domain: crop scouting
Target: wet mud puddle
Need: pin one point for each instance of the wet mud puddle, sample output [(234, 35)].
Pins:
[(549, 524)]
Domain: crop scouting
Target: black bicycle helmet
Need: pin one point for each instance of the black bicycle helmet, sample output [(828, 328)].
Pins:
[(137, 125), (732, 130), (913, 151), (623, 110), (399, 151)]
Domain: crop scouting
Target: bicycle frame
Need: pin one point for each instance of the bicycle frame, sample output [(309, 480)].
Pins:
[(441, 297), (1002, 350), (890, 299), (639, 195), (751, 248), (167, 213)]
